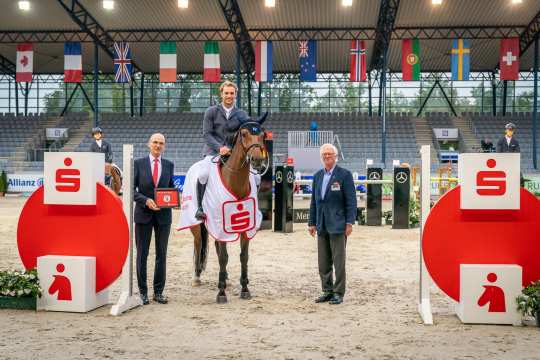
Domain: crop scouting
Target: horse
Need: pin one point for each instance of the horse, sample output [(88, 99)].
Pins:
[(115, 180), (248, 152)]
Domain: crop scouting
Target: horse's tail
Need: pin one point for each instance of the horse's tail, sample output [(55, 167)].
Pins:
[(203, 256)]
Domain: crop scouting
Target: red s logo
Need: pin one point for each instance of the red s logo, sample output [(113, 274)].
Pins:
[(240, 220), (68, 180), (491, 183)]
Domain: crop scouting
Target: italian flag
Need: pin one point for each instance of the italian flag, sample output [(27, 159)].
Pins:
[(167, 62), (212, 70), (410, 59)]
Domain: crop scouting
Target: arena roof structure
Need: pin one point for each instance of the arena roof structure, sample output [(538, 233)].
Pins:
[(382, 23)]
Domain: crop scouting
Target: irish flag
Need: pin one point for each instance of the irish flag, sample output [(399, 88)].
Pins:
[(212, 69), (410, 59), (167, 62), (25, 63)]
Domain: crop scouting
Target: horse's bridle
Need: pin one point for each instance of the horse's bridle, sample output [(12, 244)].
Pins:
[(246, 151)]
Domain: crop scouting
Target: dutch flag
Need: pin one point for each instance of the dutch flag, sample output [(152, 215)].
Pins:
[(263, 61), (72, 62)]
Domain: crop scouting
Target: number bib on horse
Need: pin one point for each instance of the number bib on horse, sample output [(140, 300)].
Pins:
[(227, 217)]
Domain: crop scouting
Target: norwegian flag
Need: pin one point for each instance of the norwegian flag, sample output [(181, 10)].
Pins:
[(509, 59), (122, 62), (358, 61)]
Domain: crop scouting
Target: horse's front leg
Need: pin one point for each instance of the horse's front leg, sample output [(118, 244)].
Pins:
[(244, 257), (223, 257), (197, 246)]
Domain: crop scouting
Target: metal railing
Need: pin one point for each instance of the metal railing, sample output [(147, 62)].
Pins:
[(309, 139)]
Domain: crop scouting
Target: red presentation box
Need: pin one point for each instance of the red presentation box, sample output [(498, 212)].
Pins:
[(167, 198)]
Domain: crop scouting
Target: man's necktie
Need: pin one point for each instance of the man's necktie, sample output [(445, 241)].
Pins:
[(155, 172)]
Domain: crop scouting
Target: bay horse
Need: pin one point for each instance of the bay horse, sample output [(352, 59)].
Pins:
[(115, 182), (248, 152)]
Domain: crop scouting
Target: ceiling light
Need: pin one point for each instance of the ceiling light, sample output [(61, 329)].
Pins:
[(436, 2), (183, 4), (346, 2), (24, 5), (270, 3), (517, 1), (108, 4)]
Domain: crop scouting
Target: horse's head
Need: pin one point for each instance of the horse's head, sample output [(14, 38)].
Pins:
[(250, 136)]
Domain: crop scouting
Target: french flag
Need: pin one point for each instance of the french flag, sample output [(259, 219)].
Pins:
[(263, 61), (72, 62)]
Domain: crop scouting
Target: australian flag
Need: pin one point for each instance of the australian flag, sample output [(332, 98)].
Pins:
[(122, 62), (307, 53)]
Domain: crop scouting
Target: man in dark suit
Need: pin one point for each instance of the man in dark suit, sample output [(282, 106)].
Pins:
[(151, 172), (508, 144), (101, 146), (331, 215)]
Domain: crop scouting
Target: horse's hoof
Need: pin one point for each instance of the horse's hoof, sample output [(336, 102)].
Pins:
[(221, 299), (245, 295), (196, 283)]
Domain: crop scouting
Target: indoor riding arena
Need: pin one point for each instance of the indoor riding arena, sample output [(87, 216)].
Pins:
[(269, 179)]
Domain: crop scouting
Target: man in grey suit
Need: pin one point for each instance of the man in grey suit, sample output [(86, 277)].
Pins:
[(219, 124), (331, 215)]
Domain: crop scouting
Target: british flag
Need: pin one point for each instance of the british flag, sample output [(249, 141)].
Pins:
[(122, 62)]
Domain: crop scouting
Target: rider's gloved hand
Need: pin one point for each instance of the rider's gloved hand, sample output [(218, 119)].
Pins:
[(224, 150)]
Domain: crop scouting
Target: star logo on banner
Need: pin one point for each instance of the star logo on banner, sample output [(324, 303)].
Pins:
[(24, 61)]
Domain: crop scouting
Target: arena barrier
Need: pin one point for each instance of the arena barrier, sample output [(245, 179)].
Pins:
[(478, 243)]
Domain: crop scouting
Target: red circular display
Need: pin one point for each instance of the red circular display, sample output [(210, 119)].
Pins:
[(453, 236), (76, 230)]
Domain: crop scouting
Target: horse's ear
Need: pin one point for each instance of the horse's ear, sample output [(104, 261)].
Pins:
[(262, 119)]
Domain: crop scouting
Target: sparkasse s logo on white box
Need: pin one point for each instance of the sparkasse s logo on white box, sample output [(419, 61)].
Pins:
[(70, 177), (489, 181)]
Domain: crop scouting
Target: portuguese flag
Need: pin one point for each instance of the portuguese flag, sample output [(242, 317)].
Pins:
[(167, 62), (410, 59), (212, 69)]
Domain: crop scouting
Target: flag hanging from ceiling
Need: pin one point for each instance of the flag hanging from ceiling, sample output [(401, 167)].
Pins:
[(72, 62), (25, 63), (122, 62), (212, 68), (410, 59), (509, 59), (357, 64), (263, 61), (307, 54), (461, 59), (167, 62)]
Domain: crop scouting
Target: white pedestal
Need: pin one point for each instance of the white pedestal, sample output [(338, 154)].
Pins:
[(488, 294), (69, 284)]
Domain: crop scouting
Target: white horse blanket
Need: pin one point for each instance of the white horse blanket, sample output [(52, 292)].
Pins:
[(227, 217)]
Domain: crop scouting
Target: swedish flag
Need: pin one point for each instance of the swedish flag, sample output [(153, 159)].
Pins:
[(461, 58)]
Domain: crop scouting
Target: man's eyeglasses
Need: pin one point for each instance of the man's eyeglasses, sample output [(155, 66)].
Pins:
[(158, 142)]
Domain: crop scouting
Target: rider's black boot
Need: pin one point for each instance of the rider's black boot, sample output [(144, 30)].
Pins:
[(199, 214)]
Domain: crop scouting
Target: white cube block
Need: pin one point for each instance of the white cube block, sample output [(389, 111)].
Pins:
[(489, 181), (69, 284), (70, 177), (488, 292)]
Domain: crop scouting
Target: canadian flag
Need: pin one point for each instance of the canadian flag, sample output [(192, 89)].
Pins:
[(25, 60), (509, 59)]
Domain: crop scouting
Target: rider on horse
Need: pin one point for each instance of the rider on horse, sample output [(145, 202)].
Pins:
[(219, 125)]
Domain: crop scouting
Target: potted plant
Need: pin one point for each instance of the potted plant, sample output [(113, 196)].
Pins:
[(387, 217), (19, 289), (3, 183), (529, 302), (414, 213)]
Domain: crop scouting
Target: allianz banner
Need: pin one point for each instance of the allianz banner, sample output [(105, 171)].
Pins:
[(24, 182)]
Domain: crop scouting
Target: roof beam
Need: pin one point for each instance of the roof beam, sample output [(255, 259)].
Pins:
[(91, 26), (385, 26), (527, 36), (277, 34), (7, 66), (238, 29)]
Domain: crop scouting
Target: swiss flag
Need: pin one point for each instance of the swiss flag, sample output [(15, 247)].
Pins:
[(25, 63), (509, 59)]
